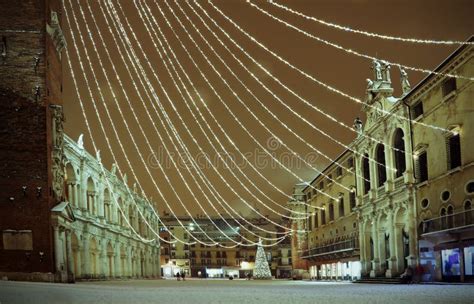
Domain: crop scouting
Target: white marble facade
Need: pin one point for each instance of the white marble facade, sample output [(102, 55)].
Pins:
[(92, 235)]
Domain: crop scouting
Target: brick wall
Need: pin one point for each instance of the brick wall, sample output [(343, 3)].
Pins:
[(25, 130)]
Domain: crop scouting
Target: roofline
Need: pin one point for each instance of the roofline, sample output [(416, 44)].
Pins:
[(327, 167), (440, 66)]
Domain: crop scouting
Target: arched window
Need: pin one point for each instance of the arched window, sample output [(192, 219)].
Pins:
[(381, 172), (399, 145), (366, 173)]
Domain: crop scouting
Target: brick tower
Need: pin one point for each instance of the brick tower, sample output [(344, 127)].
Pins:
[(31, 178)]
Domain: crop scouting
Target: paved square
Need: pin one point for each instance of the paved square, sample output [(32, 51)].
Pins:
[(223, 291)]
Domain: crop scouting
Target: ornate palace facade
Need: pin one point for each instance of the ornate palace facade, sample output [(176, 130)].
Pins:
[(100, 230), (413, 183)]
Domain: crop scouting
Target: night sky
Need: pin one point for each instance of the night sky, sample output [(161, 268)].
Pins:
[(440, 20)]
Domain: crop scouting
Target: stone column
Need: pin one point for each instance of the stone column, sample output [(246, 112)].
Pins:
[(100, 205), (381, 247), (376, 262), (390, 163), (373, 173), (86, 266), (88, 202), (70, 256), (70, 194), (84, 194), (78, 273), (368, 262), (117, 262), (362, 247), (392, 263), (399, 247), (359, 177), (413, 235), (408, 157), (130, 264), (57, 250), (77, 202), (94, 209), (103, 265)]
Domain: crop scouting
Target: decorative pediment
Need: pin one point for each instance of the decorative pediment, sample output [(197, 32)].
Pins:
[(64, 210)]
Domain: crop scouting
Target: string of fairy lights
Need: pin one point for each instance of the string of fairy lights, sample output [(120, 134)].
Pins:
[(250, 223), (76, 86), (202, 117), (259, 121), (169, 100), (350, 51), (279, 99), (312, 78), (124, 44), (366, 33), (104, 71), (168, 134), (227, 107)]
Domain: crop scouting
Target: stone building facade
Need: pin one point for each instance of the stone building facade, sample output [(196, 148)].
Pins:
[(444, 163), (58, 220), (413, 183), (299, 239), (333, 231), (200, 260), (100, 230), (385, 181), (30, 116)]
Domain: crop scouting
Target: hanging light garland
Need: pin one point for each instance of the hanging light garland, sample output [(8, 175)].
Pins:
[(366, 33)]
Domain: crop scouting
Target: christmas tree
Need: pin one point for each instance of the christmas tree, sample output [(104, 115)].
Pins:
[(261, 270)]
